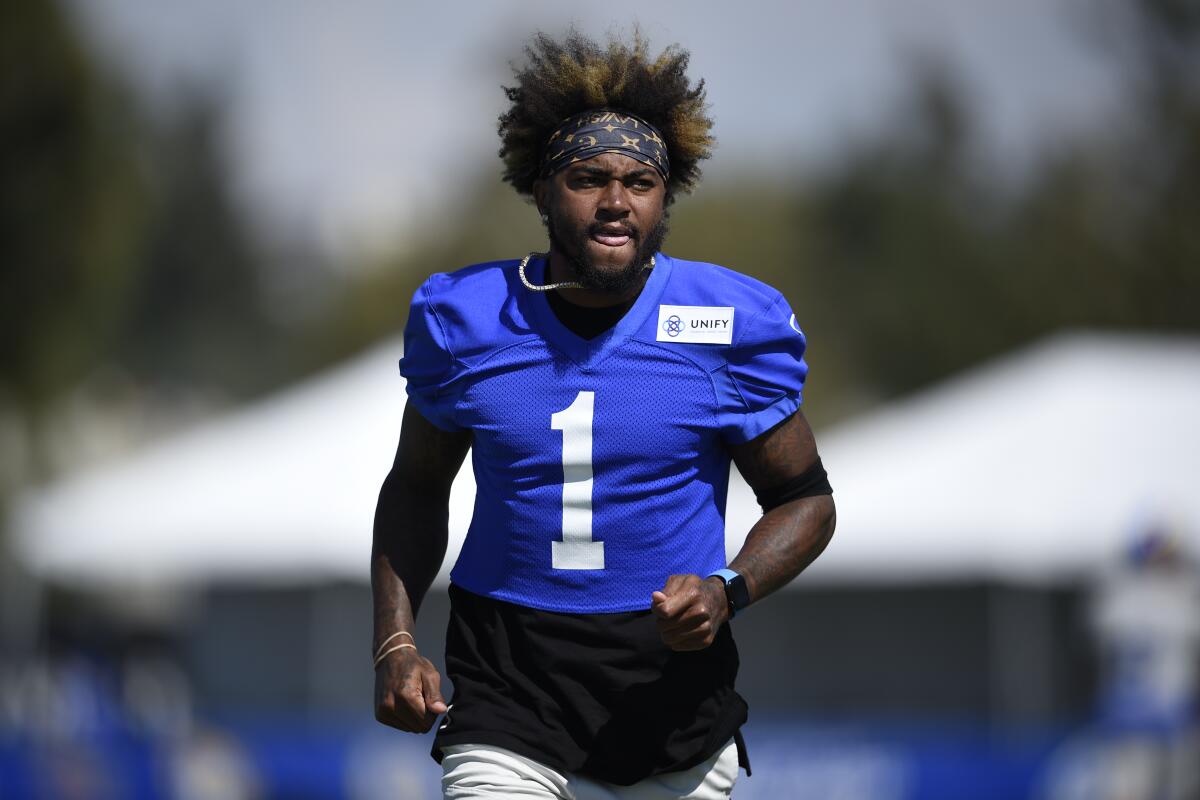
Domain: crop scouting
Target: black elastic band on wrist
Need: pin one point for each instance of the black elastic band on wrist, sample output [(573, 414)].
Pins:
[(810, 483)]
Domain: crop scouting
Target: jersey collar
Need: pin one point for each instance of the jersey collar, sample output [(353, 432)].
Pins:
[(590, 352)]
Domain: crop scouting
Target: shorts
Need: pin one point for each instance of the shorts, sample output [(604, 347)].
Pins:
[(471, 771)]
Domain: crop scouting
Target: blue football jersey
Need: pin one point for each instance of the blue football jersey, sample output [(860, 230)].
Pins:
[(599, 464)]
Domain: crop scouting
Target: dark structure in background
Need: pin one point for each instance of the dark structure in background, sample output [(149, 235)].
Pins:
[(1008, 657)]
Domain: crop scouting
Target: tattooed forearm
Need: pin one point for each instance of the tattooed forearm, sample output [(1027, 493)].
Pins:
[(788, 537), (786, 540)]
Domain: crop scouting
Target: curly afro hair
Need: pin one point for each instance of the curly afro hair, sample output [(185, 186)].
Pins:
[(576, 74)]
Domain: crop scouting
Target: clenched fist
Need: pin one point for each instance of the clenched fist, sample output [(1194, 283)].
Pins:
[(407, 692), (690, 611)]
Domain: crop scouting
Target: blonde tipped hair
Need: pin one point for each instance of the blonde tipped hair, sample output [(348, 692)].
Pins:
[(563, 78)]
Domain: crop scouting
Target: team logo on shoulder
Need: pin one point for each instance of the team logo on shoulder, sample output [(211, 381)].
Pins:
[(695, 324), (795, 327)]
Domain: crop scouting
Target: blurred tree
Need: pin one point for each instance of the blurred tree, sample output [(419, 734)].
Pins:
[(197, 318), (120, 238), (902, 247), (1165, 148), (923, 269), (372, 300), (71, 209)]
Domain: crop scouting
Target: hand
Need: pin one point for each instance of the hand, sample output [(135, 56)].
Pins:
[(407, 692), (690, 611)]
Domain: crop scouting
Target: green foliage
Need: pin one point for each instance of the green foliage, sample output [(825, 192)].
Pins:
[(198, 315), (120, 241), (372, 301), (928, 270), (71, 207)]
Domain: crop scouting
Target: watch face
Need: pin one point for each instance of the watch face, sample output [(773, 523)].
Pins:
[(737, 593)]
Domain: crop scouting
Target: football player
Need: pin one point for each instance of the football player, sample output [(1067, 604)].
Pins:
[(602, 388)]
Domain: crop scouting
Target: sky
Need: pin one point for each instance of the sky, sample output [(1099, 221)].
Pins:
[(354, 120)]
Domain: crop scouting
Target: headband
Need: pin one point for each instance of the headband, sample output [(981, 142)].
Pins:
[(596, 131)]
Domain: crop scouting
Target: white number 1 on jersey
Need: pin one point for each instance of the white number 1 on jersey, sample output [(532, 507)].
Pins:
[(577, 550)]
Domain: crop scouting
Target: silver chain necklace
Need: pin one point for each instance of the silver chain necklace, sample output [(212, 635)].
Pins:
[(564, 285)]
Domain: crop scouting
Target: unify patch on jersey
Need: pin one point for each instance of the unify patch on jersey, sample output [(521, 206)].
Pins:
[(695, 324)]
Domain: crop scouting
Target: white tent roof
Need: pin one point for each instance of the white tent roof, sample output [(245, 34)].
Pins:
[(1039, 466), (1033, 467)]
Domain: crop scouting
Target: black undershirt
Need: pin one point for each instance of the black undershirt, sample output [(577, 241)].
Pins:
[(586, 322), (594, 694)]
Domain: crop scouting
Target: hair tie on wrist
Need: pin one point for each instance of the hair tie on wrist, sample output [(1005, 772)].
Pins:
[(379, 658), (383, 644)]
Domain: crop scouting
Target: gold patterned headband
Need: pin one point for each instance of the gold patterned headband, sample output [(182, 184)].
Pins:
[(603, 130)]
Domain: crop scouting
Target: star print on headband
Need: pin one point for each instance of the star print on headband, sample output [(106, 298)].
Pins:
[(598, 131)]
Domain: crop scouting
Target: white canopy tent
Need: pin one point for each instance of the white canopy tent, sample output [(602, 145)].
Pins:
[(1035, 467), (1040, 466)]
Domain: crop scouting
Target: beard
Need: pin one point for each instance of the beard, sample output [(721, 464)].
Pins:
[(620, 280)]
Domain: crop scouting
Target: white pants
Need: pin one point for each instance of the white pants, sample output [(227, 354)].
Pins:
[(472, 771)]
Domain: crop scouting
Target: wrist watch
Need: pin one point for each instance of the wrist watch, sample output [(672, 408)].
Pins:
[(737, 594)]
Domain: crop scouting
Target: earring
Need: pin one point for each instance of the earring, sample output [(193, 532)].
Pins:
[(545, 218)]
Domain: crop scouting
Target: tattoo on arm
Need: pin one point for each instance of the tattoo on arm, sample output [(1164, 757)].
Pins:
[(789, 537), (786, 540)]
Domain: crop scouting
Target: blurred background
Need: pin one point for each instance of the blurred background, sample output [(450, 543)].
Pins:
[(985, 215)]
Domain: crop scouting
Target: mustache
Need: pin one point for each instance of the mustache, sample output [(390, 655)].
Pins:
[(611, 228)]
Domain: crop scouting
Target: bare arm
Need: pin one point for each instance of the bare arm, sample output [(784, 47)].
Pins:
[(407, 550), (788, 537), (780, 545)]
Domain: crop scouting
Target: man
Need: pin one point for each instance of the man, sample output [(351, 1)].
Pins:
[(603, 389)]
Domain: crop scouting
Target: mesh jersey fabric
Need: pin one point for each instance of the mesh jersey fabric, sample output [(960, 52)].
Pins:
[(614, 441)]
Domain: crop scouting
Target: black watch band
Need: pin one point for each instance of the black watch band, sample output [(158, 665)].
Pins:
[(737, 594)]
